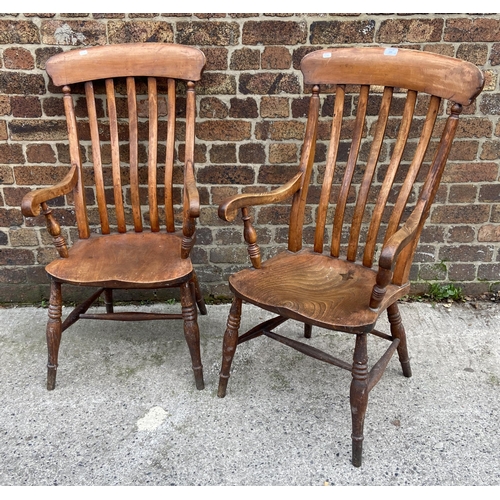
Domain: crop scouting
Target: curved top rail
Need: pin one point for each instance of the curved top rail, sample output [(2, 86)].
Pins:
[(128, 59), (443, 76)]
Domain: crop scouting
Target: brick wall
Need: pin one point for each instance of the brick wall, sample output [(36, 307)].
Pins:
[(250, 122)]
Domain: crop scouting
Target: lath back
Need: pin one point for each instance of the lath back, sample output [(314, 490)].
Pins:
[(129, 130), (377, 152)]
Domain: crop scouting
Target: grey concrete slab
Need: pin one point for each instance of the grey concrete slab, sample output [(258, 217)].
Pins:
[(126, 412)]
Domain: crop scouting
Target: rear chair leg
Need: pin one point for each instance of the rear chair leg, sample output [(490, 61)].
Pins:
[(200, 301), (108, 300), (229, 345), (398, 332), (53, 332), (192, 332), (359, 396)]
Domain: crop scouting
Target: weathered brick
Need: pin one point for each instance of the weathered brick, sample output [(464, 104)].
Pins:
[(335, 32), (140, 31), (221, 193), (212, 107), (39, 176), (11, 153), (274, 107), (245, 59), (18, 58), (223, 130), (490, 150), (40, 153), (38, 130), (26, 106), (460, 214), (53, 106), (216, 58), (461, 272), (12, 32), (243, 108), (6, 175), (71, 32), (490, 104), (4, 105), (476, 53), (268, 83), (462, 193), (276, 174), (14, 195), (223, 153), (495, 54), (216, 83), (276, 58), (489, 193), (208, 33), (12, 275), (225, 175), (444, 49), (460, 234), (481, 29), (229, 254), (21, 83), (16, 257), (274, 33), (10, 217), (42, 54), (488, 272), (470, 172), (252, 153), (23, 237), (489, 232), (283, 152), (284, 130), (410, 30)]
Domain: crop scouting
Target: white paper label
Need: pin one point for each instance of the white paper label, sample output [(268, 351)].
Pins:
[(327, 55), (390, 51)]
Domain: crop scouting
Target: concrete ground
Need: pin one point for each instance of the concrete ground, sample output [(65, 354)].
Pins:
[(126, 412)]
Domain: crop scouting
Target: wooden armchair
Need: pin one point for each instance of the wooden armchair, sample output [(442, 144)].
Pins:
[(339, 287), (126, 211)]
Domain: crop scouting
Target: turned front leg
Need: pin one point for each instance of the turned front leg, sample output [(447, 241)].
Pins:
[(53, 332), (229, 345), (192, 332), (359, 396)]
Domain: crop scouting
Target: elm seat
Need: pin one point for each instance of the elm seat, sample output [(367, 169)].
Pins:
[(128, 260), (381, 161), (127, 184)]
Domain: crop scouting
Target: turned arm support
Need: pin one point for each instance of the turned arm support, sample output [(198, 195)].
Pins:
[(36, 201), (30, 205), (229, 208), (191, 210), (392, 248)]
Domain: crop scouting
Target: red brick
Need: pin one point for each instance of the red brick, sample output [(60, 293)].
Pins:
[(276, 58), (38, 130), (16, 257), (216, 83), (470, 172), (223, 153), (335, 32), (462, 193), (283, 153), (6, 175), (252, 153), (228, 130), (490, 272), (18, 58), (274, 33), (26, 106), (243, 108), (472, 30), (212, 107), (40, 153), (216, 58), (460, 234), (276, 174), (11, 153), (460, 214), (274, 107), (221, 174), (12, 32), (476, 53), (71, 32), (268, 83), (245, 59), (489, 232), (21, 83), (208, 33), (410, 30)]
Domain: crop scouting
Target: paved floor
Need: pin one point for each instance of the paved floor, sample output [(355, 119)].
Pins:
[(126, 412)]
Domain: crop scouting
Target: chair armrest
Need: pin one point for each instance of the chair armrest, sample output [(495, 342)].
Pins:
[(229, 208), (30, 205), (192, 195), (404, 235)]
